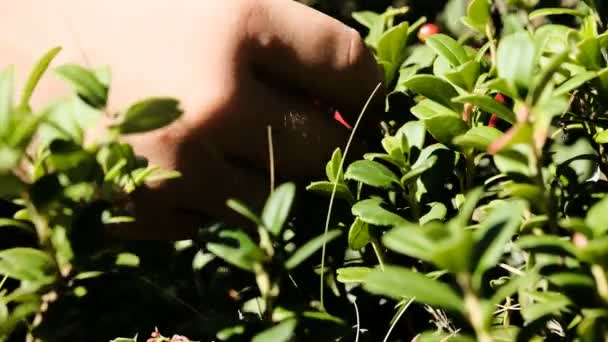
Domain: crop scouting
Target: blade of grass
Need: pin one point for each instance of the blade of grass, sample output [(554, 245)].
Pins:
[(333, 193)]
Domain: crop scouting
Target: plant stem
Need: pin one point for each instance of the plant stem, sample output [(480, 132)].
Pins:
[(378, 251), (474, 310)]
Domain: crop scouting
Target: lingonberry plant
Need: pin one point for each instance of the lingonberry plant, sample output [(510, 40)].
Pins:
[(482, 214)]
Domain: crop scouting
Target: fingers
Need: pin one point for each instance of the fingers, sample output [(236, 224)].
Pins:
[(312, 52)]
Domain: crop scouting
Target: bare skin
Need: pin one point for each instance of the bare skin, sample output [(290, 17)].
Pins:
[(236, 66)]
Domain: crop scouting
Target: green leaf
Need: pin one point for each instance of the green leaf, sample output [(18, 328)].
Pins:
[(503, 86), (35, 76), (493, 234), (465, 76), (543, 12), (479, 138), (547, 244), (326, 188), (88, 87), (541, 81), (588, 53), (516, 59), (575, 82), (438, 212), (26, 264), (410, 240), (548, 303), (242, 209), (597, 217), (445, 128), (310, 247), (7, 80), (448, 48), (415, 132), (398, 283), (127, 259), (125, 339), (421, 166), (367, 18), (332, 169), (427, 109), (371, 173), (370, 211), (281, 332), (149, 114), (245, 256), (435, 89), (490, 105), (478, 15), (392, 49), (277, 207), (355, 274), (358, 235), (602, 137)]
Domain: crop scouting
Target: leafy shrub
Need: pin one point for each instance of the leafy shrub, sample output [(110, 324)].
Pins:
[(481, 215)]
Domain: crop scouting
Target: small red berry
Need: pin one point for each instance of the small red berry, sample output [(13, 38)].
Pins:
[(155, 334), (427, 30), (500, 98)]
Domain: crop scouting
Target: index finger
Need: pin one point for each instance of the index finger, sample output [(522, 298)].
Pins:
[(312, 53)]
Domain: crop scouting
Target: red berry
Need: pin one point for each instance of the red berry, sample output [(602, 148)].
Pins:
[(155, 334), (500, 98), (427, 30)]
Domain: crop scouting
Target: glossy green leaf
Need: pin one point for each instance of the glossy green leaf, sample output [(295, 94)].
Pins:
[(244, 211), (575, 82), (326, 189), (493, 234), (35, 76), (392, 49), (415, 132), (371, 173), (479, 138), (371, 211), (398, 283), (490, 105), (367, 18), (149, 114), (449, 48), (281, 332), (332, 169), (26, 264), (435, 89), (548, 303), (418, 169), (355, 274), (445, 128), (602, 137), (277, 207), (547, 244), (88, 87), (438, 212), (543, 12), (478, 15), (427, 109), (410, 240), (465, 76), (245, 256), (358, 234), (516, 59), (597, 217), (310, 247)]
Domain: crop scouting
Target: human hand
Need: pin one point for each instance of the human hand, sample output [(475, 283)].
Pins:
[(237, 66)]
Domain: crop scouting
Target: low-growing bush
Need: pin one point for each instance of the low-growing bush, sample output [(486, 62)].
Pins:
[(481, 215)]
